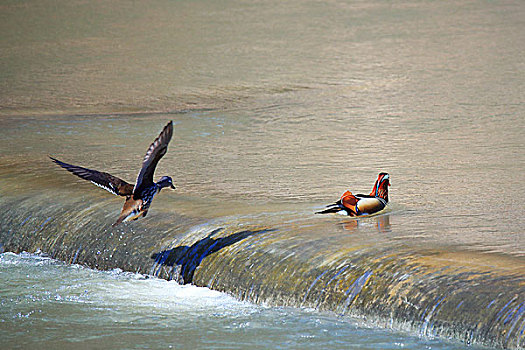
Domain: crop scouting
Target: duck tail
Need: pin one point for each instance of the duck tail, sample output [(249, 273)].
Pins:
[(118, 222), (332, 208)]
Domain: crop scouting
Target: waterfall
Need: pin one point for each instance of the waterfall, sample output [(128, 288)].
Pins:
[(478, 298)]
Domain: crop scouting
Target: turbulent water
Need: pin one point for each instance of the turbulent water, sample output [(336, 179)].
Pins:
[(54, 306), (278, 108)]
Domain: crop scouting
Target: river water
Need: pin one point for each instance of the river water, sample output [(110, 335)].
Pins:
[(278, 108), (49, 304)]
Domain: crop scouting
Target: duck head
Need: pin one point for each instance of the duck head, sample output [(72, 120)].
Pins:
[(381, 186), (165, 181)]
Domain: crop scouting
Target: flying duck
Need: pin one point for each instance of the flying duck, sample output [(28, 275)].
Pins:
[(140, 195), (362, 204)]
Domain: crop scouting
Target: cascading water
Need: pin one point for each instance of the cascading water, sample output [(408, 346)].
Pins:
[(476, 298)]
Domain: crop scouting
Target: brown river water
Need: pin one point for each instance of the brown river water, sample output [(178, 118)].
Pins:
[(278, 108)]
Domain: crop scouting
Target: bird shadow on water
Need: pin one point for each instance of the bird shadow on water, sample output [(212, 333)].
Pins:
[(186, 259)]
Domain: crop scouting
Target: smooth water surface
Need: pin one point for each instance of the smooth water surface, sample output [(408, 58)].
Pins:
[(308, 100)]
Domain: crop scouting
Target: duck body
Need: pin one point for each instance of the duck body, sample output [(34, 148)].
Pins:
[(140, 195), (362, 204), (137, 206)]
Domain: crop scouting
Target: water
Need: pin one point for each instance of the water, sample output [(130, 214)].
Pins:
[(57, 306), (224, 166), (278, 109)]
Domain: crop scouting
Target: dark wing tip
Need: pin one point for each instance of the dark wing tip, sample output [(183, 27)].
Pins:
[(104, 180), (161, 141), (168, 131), (60, 163), (159, 146), (155, 152)]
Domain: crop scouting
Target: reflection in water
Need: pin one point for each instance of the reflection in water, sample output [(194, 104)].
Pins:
[(381, 222)]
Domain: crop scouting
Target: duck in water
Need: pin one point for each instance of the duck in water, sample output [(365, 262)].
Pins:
[(362, 204), (140, 195)]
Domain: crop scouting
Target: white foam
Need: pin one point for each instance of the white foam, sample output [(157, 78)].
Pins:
[(125, 289)]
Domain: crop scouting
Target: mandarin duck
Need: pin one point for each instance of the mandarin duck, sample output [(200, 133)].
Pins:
[(140, 195), (362, 204)]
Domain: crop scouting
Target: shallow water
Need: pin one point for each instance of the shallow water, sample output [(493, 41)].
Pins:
[(52, 305), (278, 109), (224, 166)]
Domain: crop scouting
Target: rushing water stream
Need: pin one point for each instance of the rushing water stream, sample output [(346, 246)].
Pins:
[(54, 306), (278, 108)]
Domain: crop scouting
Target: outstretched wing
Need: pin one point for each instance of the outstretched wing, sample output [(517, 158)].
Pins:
[(156, 150), (107, 181)]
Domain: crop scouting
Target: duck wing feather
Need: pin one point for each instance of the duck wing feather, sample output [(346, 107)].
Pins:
[(349, 201), (155, 152), (106, 181)]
